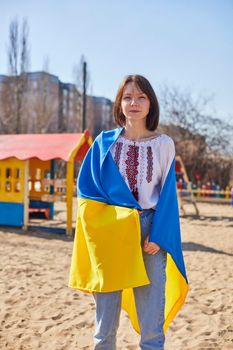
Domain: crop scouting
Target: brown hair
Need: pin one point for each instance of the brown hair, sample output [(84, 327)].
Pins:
[(152, 119)]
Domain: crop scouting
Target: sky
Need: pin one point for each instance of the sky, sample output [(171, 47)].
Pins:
[(178, 43)]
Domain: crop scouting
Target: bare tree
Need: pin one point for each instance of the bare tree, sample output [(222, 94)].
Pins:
[(192, 116), (44, 98), (78, 75), (200, 139), (13, 99), (45, 105)]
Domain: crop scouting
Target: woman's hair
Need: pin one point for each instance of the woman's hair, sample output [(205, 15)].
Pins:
[(152, 119)]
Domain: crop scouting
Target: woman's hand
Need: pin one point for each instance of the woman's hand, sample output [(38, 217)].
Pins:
[(150, 247)]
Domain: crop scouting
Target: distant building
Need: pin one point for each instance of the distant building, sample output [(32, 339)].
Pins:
[(70, 111), (103, 114), (42, 99), (49, 105)]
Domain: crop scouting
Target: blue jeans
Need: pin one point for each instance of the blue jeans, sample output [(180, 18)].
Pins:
[(150, 301)]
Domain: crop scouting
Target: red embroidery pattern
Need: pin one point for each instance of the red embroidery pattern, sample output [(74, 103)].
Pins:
[(118, 153), (132, 168), (149, 164)]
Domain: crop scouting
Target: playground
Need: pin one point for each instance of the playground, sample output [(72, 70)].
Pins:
[(32, 195), (29, 184), (191, 193), (38, 311)]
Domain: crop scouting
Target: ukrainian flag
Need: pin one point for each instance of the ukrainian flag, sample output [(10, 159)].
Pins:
[(107, 254)]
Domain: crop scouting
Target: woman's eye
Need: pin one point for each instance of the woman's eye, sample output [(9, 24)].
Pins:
[(142, 97)]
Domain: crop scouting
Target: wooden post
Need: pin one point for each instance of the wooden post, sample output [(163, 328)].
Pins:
[(69, 195), (26, 195)]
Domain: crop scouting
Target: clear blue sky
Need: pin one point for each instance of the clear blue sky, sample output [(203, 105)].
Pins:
[(188, 44)]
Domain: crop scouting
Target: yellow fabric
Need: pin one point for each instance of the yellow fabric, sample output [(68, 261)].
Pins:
[(175, 293), (107, 254)]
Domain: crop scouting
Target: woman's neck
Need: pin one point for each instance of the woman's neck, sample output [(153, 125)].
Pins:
[(136, 131)]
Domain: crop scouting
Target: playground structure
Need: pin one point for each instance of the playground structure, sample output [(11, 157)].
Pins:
[(190, 193), (28, 182)]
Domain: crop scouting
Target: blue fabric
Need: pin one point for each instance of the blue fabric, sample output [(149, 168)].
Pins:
[(99, 179), (165, 229)]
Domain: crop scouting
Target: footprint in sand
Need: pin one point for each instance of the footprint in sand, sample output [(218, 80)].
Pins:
[(47, 328), (57, 317)]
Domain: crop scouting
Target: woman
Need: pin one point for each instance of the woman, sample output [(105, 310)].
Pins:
[(127, 249)]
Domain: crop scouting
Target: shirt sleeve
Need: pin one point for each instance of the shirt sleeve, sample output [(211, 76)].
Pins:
[(167, 154)]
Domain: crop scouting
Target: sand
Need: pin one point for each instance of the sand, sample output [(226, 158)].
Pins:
[(39, 311)]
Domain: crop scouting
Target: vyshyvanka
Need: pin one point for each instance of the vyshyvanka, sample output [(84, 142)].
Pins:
[(107, 253)]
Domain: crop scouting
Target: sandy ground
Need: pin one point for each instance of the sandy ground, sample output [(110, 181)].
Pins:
[(39, 311)]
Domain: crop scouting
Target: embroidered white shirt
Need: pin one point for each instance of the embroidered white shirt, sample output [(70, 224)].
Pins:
[(144, 165)]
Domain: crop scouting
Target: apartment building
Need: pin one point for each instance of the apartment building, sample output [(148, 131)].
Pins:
[(103, 114), (44, 104)]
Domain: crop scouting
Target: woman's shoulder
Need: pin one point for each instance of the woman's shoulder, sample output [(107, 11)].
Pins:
[(166, 145), (164, 138)]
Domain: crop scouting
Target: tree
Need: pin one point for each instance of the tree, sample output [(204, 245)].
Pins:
[(78, 75), (200, 139), (13, 99), (44, 102), (180, 108)]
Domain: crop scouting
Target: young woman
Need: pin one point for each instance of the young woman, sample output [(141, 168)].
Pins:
[(127, 248)]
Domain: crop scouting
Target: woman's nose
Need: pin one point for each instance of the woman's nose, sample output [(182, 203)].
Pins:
[(133, 101)]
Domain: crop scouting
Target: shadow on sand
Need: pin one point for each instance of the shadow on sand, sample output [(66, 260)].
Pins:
[(38, 232), (194, 247), (207, 217)]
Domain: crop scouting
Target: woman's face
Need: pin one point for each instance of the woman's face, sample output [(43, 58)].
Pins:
[(135, 104)]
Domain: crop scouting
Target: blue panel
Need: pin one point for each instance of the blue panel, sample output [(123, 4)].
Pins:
[(11, 214)]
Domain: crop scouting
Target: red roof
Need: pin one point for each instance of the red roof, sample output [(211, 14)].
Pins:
[(44, 146)]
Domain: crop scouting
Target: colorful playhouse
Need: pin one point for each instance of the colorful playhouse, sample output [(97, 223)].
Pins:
[(27, 174)]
